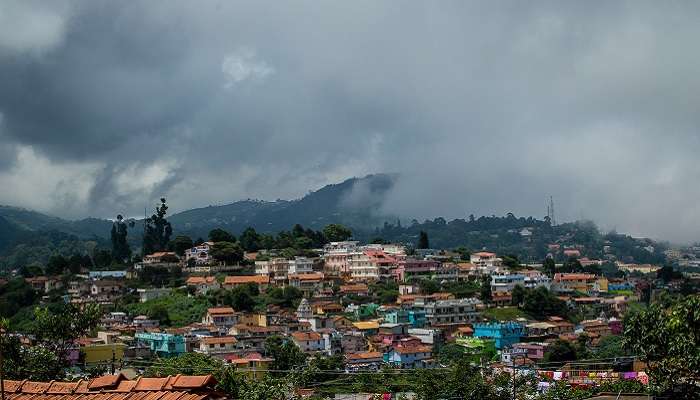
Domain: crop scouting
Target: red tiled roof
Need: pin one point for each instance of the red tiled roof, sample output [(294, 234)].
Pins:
[(314, 276), (196, 280), (306, 336), (572, 277), (220, 310), (242, 279), (219, 340), (413, 349), (364, 355), (116, 387)]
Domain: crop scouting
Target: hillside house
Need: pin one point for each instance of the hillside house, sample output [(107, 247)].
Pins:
[(308, 342), (203, 284), (221, 317)]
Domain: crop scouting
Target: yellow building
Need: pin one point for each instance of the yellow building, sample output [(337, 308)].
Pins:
[(253, 366), (103, 353)]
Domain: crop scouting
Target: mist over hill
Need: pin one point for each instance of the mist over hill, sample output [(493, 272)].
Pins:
[(359, 203)]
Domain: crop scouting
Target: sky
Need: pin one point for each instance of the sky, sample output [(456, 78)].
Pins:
[(482, 107)]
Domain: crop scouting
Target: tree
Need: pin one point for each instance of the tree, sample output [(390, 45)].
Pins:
[(485, 291), (286, 354), (55, 330), (121, 251), (666, 274), (611, 346), (249, 240), (336, 233), (561, 350), (511, 261), (159, 312), (549, 267), (541, 303), (461, 381), (56, 265), (157, 231), (666, 336), (180, 244), (450, 353), (518, 295), (428, 286), (242, 298), (220, 235), (227, 252), (423, 242)]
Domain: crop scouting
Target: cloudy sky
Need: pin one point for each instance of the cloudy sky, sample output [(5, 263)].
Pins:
[(482, 107)]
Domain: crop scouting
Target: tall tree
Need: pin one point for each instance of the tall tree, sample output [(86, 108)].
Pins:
[(336, 233), (249, 240), (227, 252), (180, 244), (423, 242), (485, 291), (158, 230), (549, 267), (220, 235), (121, 252)]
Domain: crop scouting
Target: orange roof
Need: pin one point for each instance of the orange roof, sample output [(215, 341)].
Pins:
[(572, 277), (243, 279), (306, 336), (159, 254), (316, 276), (357, 287), (220, 310), (413, 349), (219, 340), (484, 254), (364, 355), (116, 387), (196, 280)]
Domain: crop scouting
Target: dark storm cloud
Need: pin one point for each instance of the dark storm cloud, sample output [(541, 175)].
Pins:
[(482, 107)]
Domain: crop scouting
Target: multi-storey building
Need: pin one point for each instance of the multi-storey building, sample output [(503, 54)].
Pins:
[(535, 279), (504, 282), (218, 345), (372, 265), (485, 261), (410, 269), (336, 256), (568, 283), (300, 265), (222, 317), (457, 311), (200, 253)]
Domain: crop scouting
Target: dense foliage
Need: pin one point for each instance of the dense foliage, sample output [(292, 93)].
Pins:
[(667, 336)]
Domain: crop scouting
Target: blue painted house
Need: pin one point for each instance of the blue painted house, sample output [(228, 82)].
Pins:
[(163, 344), (415, 318), (504, 334)]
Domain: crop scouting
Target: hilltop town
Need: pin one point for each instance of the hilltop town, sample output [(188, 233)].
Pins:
[(269, 305)]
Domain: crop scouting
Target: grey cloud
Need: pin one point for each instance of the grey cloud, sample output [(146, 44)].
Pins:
[(482, 107)]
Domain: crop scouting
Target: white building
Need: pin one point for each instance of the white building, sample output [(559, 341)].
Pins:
[(200, 253), (452, 311), (485, 261), (300, 265), (308, 342), (505, 282), (218, 345), (534, 279), (336, 256)]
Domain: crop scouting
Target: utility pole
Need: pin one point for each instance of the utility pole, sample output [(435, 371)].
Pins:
[(2, 362)]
